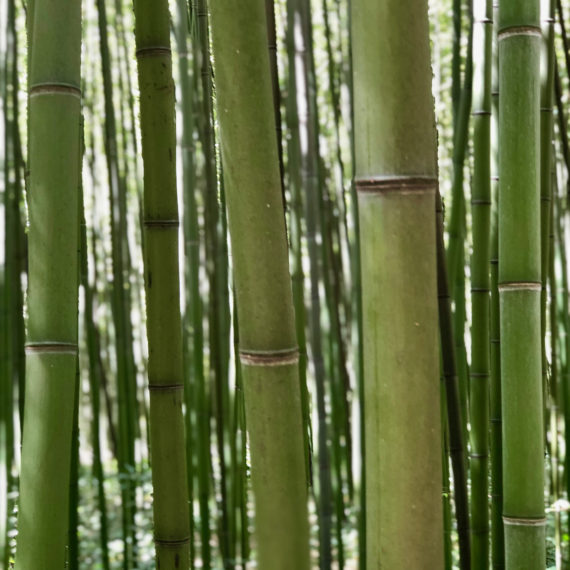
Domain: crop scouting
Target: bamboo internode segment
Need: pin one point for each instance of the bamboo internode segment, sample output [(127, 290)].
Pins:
[(283, 357)]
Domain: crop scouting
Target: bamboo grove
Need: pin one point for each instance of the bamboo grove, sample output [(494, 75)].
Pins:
[(284, 284)]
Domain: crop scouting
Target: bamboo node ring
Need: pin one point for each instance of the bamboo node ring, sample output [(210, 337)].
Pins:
[(55, 89), (516, 521), (161, 224), (153, 51), (165, 387), (520, 286), (396, 185), (51, 348), (270, 357), (532, 31), (174, 543)]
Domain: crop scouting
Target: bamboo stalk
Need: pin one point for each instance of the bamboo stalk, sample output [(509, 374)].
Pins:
[(480, 283), (396, 180), (164, 329), (455, 421), (52, 293), (519, 281), (546, 126), (268, 351), (497, 530)]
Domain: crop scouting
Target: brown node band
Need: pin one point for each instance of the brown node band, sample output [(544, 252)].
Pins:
[(269, 358), (51, 348), (174, 543), (165, 387), (515, 521), (153, 51), (162, 224), (396, 184)]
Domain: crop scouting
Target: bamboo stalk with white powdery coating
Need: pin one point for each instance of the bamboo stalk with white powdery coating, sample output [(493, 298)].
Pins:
[(396, 180), (268, 348), (164, 328), (51, 350), (519, 279)]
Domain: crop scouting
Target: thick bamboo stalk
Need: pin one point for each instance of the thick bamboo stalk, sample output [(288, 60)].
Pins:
[(54, 149), (520, 283), (268, 350), (480, 283), (396, 179), (164, 329)]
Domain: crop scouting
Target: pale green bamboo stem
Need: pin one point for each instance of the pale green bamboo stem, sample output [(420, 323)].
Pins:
[(268, 349), (54, 149), (520, 283), (396, 179), (164, 328)]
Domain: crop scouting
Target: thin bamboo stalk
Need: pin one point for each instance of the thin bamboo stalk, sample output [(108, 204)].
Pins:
[(480, 283), (497, 530), (453, 406), (164, 328), (546, 125)]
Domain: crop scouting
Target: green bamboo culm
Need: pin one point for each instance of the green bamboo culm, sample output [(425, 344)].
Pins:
[(519, 280), (495, 415), (480, 283), (546, 128), (51, 350), (268, 348), (164, 327), (396, 181)]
